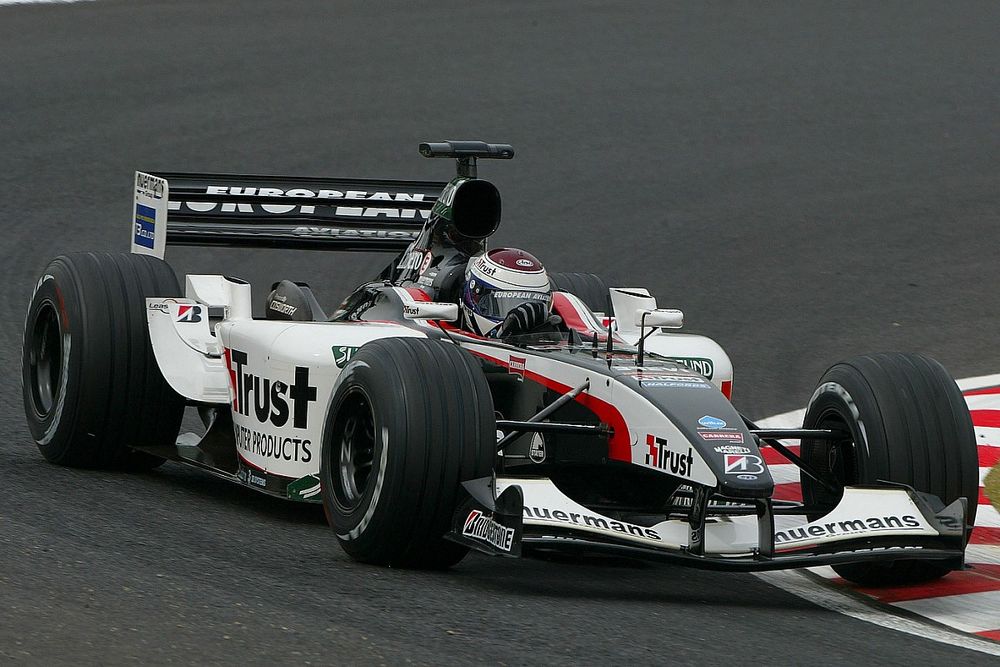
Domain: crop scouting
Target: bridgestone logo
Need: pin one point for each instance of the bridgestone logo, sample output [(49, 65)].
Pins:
[(846, 528), (480, 527)]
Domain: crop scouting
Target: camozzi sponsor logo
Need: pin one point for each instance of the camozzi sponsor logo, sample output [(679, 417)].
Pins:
[(590, 521), (480, 527), (818, 531)]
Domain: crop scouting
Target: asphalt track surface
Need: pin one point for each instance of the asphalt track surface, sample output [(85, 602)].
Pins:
[(805, 182)]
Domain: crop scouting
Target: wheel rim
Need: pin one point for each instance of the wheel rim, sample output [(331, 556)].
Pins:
[(840, 459), (354, 445), (45, 359)]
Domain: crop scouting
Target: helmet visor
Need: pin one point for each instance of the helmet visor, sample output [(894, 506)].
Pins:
[(495, 303)]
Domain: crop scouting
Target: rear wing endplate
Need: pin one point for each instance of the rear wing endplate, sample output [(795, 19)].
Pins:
[(277, 212)]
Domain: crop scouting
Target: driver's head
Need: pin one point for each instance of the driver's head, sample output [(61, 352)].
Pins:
[(497, 282)]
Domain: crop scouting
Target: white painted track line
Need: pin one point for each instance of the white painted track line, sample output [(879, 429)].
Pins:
[(972, 612), (830, 598)]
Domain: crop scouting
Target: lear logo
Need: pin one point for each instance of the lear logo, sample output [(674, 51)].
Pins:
[(145, 225), (737, 464), (517, 366), (189, 313), (480, 527)]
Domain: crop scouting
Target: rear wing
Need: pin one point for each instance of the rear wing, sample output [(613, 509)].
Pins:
[(278, 212)]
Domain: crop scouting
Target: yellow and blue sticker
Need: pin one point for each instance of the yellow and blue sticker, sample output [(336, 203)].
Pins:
[(145, 225)]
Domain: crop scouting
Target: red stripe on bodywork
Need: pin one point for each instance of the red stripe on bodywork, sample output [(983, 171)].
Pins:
[(232, 377), (990, 634), (619, 447), (418, 294), (564, 309), (979, 578), (727, 389)]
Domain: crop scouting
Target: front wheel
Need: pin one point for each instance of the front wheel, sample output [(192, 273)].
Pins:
[(410, 420), (908, 423)]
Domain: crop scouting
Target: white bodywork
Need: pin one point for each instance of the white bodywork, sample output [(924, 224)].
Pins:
[(630, 413), (699, 353), (862, 512), (278, 376), (210, 350)]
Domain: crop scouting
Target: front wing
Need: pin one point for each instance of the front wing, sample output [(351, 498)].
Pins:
[(869, 523)]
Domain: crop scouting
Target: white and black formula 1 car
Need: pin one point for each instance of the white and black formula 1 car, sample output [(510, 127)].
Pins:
[(613, 433)]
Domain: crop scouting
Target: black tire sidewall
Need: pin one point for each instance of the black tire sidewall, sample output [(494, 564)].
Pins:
[(358, 376), (424, 446), (52, 431)]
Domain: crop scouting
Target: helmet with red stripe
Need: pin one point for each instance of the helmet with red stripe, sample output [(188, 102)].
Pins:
[(498, 281)]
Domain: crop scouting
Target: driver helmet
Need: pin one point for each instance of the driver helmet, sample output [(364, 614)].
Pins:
[(498, 281)]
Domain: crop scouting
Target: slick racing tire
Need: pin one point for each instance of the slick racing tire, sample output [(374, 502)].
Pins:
[(410, 420), (92, 389), (588, 287), (908, 423)]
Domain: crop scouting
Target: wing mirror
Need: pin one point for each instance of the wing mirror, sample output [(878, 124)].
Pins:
[(668, 318), (430, 310)]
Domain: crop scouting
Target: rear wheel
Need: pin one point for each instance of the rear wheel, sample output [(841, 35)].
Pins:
[(410, 420), (588, 287), (92, 390), (908, 423)]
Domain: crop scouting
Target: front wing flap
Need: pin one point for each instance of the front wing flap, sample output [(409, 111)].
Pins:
[(870, 523)]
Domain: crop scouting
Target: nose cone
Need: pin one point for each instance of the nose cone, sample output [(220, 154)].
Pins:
[(710, 423)]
